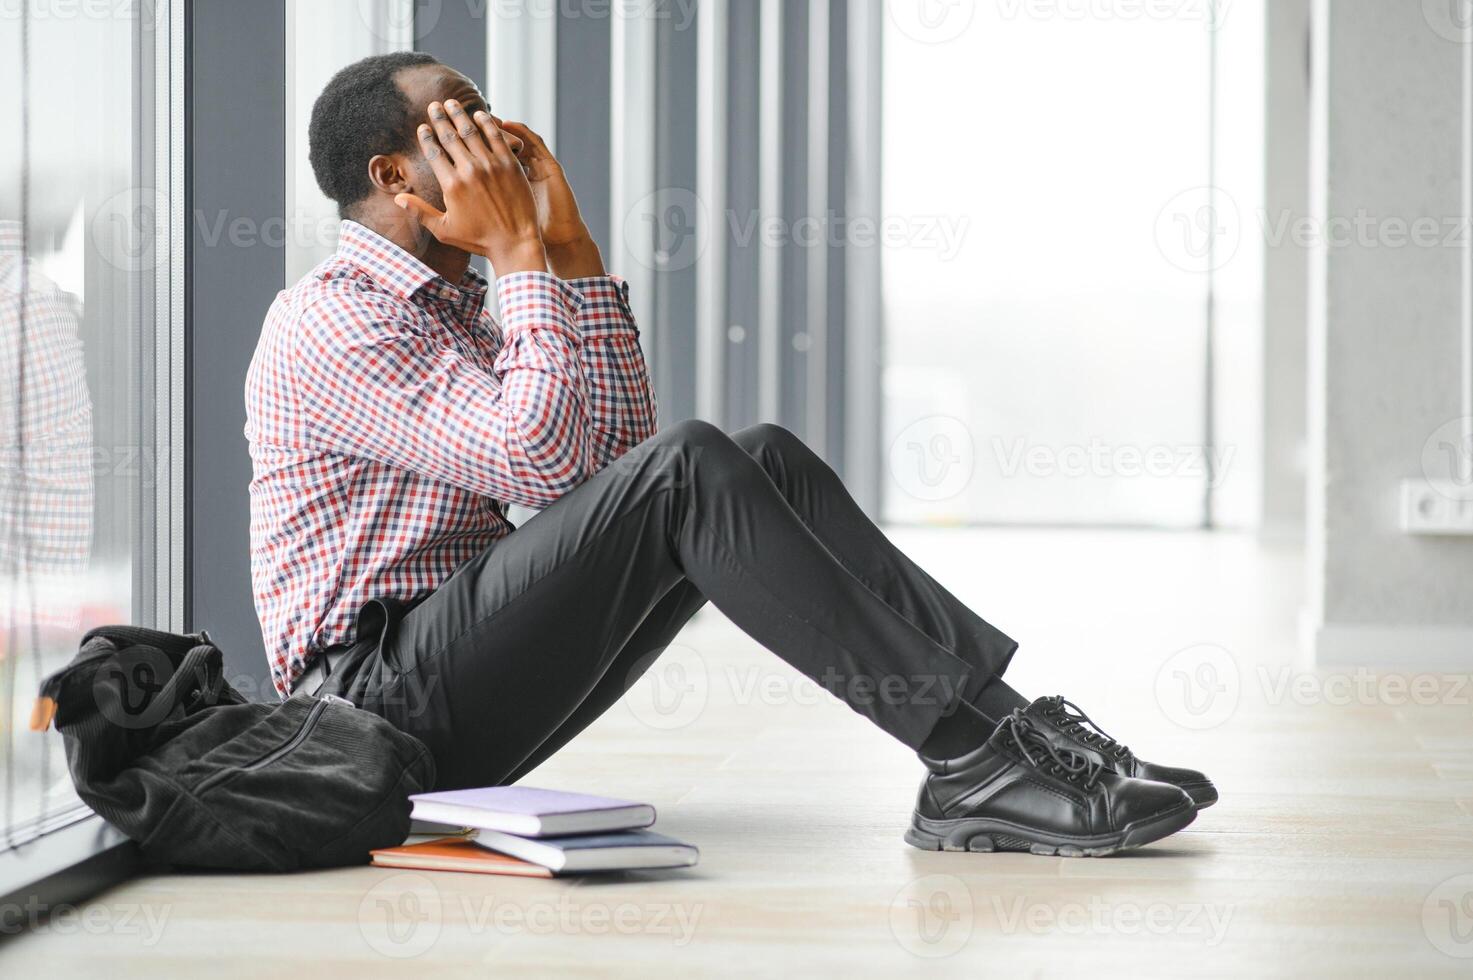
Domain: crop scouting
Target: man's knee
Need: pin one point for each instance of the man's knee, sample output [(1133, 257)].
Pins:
[(692, 432), (768, 437), (691, 445), (779, 452), (698, 443)]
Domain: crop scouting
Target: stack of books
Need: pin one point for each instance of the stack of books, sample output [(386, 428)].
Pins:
[(518, 830)]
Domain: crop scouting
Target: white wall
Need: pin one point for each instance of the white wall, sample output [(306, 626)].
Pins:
[(1286, 267), (1386, 342)]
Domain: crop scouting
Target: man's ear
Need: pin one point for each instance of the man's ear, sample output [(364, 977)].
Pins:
[(390, 173)]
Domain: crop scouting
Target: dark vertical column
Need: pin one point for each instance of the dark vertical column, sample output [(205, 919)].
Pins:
[(742, 345), (863, 345), (674, 326), (838, 141), (457, 36), (235, 170), (583, 78), (794, 338)]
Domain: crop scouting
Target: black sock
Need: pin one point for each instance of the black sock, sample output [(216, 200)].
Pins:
[(996, 700), (972, 723)]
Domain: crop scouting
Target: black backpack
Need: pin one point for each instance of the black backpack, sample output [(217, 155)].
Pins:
[(164, 749)]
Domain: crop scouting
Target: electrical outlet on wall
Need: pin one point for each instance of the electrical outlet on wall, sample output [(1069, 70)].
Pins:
[(1436, 507)]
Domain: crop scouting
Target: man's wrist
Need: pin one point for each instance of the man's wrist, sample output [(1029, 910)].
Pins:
[(578, 259), (528, 256)]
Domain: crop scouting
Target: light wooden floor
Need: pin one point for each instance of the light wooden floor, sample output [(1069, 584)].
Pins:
[(1343, 844)]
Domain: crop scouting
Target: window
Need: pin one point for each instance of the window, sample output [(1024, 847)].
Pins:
[(88, 395), (1066, 190), (323, 36)]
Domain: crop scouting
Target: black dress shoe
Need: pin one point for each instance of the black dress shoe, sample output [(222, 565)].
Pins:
[(1021, 792), (1070, 728)]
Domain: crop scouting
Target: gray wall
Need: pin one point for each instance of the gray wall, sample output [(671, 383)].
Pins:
[(1386, 334), (235, 168), (583, 70)]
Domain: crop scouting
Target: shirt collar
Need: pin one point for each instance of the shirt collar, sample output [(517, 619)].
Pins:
[(400, 272)]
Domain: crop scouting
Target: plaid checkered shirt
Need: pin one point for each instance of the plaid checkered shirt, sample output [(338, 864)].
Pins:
[(392, 419)]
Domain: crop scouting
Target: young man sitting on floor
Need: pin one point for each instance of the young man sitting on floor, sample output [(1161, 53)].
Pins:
[(392, 419)]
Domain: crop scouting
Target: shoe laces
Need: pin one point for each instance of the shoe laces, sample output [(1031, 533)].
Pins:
[(1072, 721), (1044, 755)]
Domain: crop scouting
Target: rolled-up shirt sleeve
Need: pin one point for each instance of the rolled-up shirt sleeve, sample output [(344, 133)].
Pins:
[(376, 384), (621, 400)]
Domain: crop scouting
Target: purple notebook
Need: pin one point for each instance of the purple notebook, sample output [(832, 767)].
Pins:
[(529, 812), (627, 851)]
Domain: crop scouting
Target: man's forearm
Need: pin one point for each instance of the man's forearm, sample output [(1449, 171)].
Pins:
[(580, 259)]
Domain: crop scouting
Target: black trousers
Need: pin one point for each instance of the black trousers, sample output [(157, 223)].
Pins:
[(528, 643)]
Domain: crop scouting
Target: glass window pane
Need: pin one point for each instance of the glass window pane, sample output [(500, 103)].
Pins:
[(76, 353), (1237, 283), (1045, 349), (323, 36)]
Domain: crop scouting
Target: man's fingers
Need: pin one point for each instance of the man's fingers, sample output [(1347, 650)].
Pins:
[(494, 138), (536, 158), (529, 149), (468, 131), (529, 137), (449, 138), (429, 144), (429, 215)]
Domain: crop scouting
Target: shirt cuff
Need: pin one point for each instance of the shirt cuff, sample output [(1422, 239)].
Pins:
[(605, 305), (538, 299)]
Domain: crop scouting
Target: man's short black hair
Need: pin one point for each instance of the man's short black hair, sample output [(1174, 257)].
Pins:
[(361, 114)]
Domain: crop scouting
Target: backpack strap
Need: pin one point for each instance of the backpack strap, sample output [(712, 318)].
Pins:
[(177, 647), (174, 644)]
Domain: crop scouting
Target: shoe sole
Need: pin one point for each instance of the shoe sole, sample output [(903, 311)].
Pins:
[(981, 835)]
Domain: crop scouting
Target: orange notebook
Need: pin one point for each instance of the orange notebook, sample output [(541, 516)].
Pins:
[(456, 854)]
